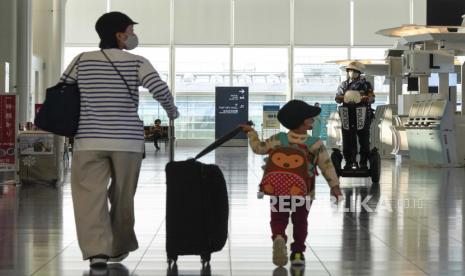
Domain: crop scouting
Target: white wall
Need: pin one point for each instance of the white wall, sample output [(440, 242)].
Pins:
[(262, 22), (322, 22), (153, 18), (373, 15), (418, 13), (202, 22), (81, 16)]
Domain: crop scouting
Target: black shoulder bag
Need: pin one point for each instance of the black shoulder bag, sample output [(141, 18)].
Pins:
[(60, 112)]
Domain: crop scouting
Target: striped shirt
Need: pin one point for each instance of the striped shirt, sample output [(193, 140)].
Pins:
[(108, 117)]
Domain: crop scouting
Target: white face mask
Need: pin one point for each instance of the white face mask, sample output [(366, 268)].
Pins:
[(353, 74), (131, 42)]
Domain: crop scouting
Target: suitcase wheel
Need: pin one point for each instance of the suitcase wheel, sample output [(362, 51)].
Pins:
[(172, 260), (172, 270), (205, 259), (206, 270)]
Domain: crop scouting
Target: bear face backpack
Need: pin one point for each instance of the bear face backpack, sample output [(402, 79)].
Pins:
[(289, 169)]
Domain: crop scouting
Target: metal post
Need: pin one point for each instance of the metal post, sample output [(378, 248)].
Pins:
[(290, 77), (172, 139), (462, 83), (172, 81)]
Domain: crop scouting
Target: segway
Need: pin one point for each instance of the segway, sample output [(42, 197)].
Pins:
[(353, 115), (373, 171)]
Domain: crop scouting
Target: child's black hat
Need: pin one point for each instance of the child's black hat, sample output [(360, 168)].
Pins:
[(295, 112)]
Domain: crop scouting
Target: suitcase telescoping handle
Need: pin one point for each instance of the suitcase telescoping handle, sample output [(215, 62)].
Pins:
[(228, 136), (171, 139), (214, 145)]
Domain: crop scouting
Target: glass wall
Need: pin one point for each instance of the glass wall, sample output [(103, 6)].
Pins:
[(198, 117), (159, 57), (314, 72), (256, 102), (149, 109), (261, 69), (197, 72), (265, 70), (368, 53), (201, 69)]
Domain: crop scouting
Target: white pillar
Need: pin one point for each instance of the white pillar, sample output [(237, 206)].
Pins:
[(443, 88), (55, 62), (423, 84), (392, 91), (290, 76), (4, 77), (395, 78), (462, 83), (399, 88), (24, 54), (8, 38), (395, 89), (291, 94)]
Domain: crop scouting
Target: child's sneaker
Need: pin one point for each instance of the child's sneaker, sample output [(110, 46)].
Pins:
[(279, 251), (297, 258), (297, 270)]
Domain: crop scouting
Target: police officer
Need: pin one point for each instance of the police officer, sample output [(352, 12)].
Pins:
[(356, 82)]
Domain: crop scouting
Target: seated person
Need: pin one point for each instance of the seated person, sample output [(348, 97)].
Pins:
[(147, 133), (157, 132)]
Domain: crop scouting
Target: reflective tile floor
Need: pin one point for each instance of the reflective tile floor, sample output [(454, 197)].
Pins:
[(409, 224)]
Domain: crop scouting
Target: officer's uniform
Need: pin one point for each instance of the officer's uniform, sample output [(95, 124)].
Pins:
[(349, 137)]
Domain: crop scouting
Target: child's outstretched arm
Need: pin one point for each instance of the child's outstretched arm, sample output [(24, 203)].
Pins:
[(327, 169), (258, 146)]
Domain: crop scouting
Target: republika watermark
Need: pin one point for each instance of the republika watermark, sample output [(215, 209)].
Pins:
[(369, 204)]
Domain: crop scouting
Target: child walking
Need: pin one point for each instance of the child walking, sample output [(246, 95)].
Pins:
[(298, 117)]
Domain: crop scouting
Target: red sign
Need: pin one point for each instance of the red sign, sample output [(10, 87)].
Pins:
[(7, 132)]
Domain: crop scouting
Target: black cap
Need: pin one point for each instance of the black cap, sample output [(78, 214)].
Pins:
[(109, 24), (295, 112)]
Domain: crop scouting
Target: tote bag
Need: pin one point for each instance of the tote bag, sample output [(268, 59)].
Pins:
[(60, 112)]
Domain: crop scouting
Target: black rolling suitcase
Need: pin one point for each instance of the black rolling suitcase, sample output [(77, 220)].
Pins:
[(197, 207)]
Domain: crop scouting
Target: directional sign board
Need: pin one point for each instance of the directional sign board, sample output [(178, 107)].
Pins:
[(231, 109)]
